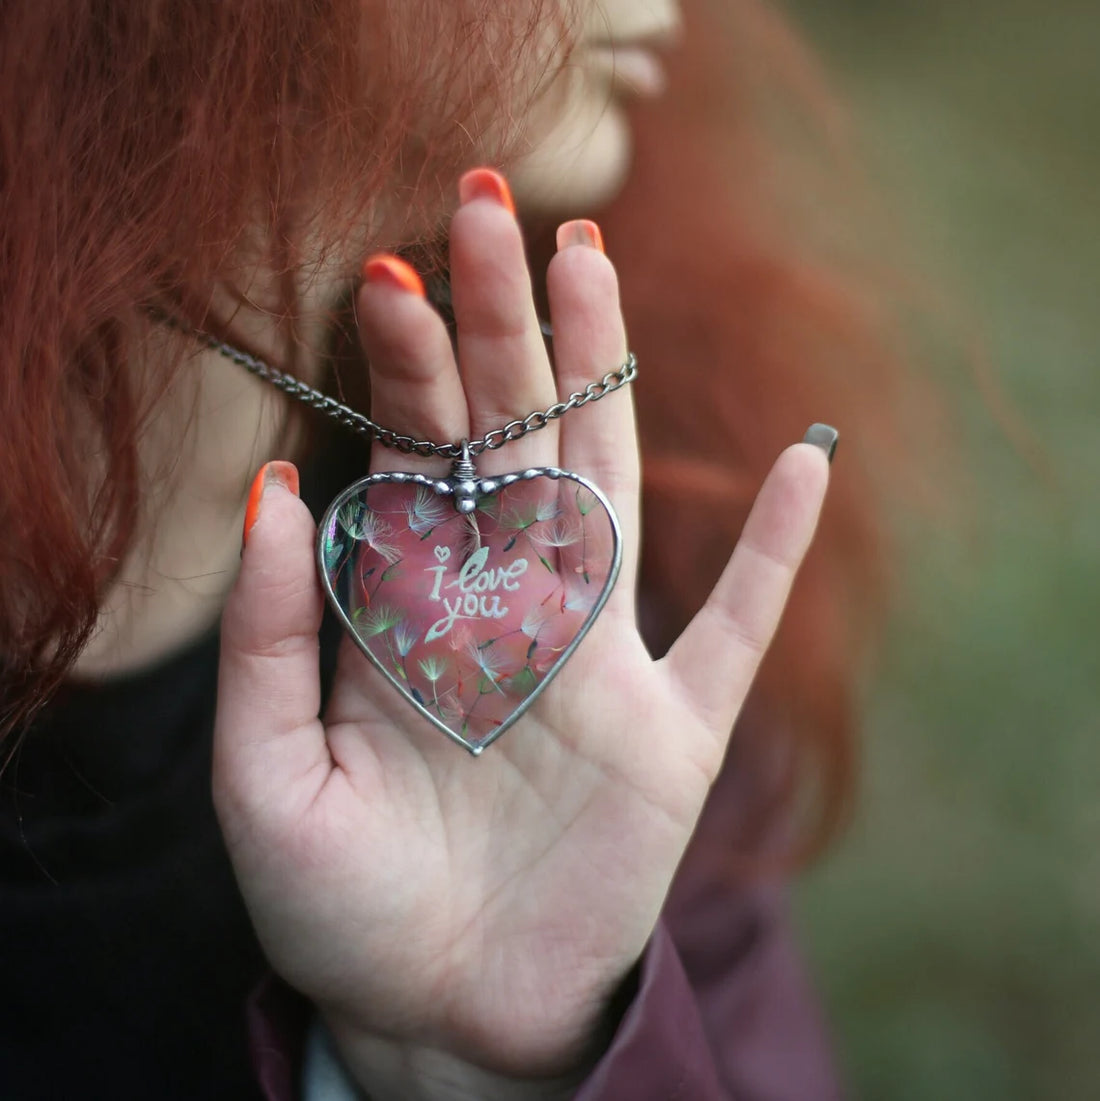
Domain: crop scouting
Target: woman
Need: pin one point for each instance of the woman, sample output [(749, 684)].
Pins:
[(459, 928)]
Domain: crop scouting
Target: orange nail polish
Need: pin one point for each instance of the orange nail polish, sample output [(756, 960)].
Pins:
[(391, 270), (485, 183), (285, 474), (579, 232)]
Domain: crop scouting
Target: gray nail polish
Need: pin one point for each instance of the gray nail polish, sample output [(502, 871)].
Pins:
[(824, 436)]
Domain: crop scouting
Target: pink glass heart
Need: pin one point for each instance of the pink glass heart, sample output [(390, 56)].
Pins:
[(469, 614)]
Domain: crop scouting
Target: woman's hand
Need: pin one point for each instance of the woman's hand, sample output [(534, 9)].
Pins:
[(463, 924)]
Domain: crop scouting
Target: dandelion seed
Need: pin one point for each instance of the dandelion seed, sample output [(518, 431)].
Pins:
[(586, 500), (489, 505), (433, 668), (348, 513), (404, 637), (515, 521), (377, 620), (469, 536), (425, 512), (533, 622), (488, 663), (559, 533), (450, 709), (521, 519), (579, 602), (350, 517), (365, 526)]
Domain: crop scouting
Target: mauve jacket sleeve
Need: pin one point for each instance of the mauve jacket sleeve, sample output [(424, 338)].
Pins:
[(722, 1009)]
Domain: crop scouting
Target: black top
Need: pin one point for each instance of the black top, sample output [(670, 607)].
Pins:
[(125, 949), (126, 953)]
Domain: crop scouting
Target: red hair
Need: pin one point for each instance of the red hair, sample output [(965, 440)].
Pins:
[(751, 330), (153, 151), (142, 150)]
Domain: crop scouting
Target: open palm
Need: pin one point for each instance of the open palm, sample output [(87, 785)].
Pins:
[(484, 908)]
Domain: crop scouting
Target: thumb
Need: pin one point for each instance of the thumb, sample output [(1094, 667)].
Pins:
[(267, 733)]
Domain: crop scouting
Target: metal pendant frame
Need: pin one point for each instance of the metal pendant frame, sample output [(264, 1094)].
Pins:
[(466, 489)]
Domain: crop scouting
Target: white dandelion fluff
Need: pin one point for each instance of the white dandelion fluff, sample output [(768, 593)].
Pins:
[(557, 533), (377, 620), (433, 668), (425, 512)]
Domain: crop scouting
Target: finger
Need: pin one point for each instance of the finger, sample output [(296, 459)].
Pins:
[(716, 658), (501, 353), (415, 387), (598, 441), (267, 735)]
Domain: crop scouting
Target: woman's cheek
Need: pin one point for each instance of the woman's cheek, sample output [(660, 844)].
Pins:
[(580, 162)]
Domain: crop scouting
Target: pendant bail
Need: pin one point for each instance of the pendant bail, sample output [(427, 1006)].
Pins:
[(464, 480)]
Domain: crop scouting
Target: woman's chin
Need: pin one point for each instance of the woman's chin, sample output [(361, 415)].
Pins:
[(574, 170)]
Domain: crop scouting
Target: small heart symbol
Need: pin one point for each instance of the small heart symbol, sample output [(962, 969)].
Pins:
[(471, 626)]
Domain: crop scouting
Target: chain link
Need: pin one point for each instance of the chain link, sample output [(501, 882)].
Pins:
[(387, 437)]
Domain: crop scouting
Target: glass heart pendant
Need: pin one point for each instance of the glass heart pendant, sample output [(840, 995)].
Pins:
[(468, 593)]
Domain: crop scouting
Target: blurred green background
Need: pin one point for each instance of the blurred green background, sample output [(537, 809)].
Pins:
[(955, 932)]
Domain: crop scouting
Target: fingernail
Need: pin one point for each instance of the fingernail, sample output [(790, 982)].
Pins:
[(485, 183), (392, 271), (580, 232), (824, 436), (285, 474)]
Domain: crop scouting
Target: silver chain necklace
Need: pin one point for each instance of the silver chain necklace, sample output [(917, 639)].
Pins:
[(467, 593), (387, 437)]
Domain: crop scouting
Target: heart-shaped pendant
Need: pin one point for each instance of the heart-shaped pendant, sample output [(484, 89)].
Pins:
[(469, 593)]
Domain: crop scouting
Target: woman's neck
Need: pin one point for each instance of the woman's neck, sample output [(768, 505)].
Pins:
[(212, 429)]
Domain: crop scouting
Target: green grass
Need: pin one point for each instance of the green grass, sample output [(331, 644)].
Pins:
[(955, 933)]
